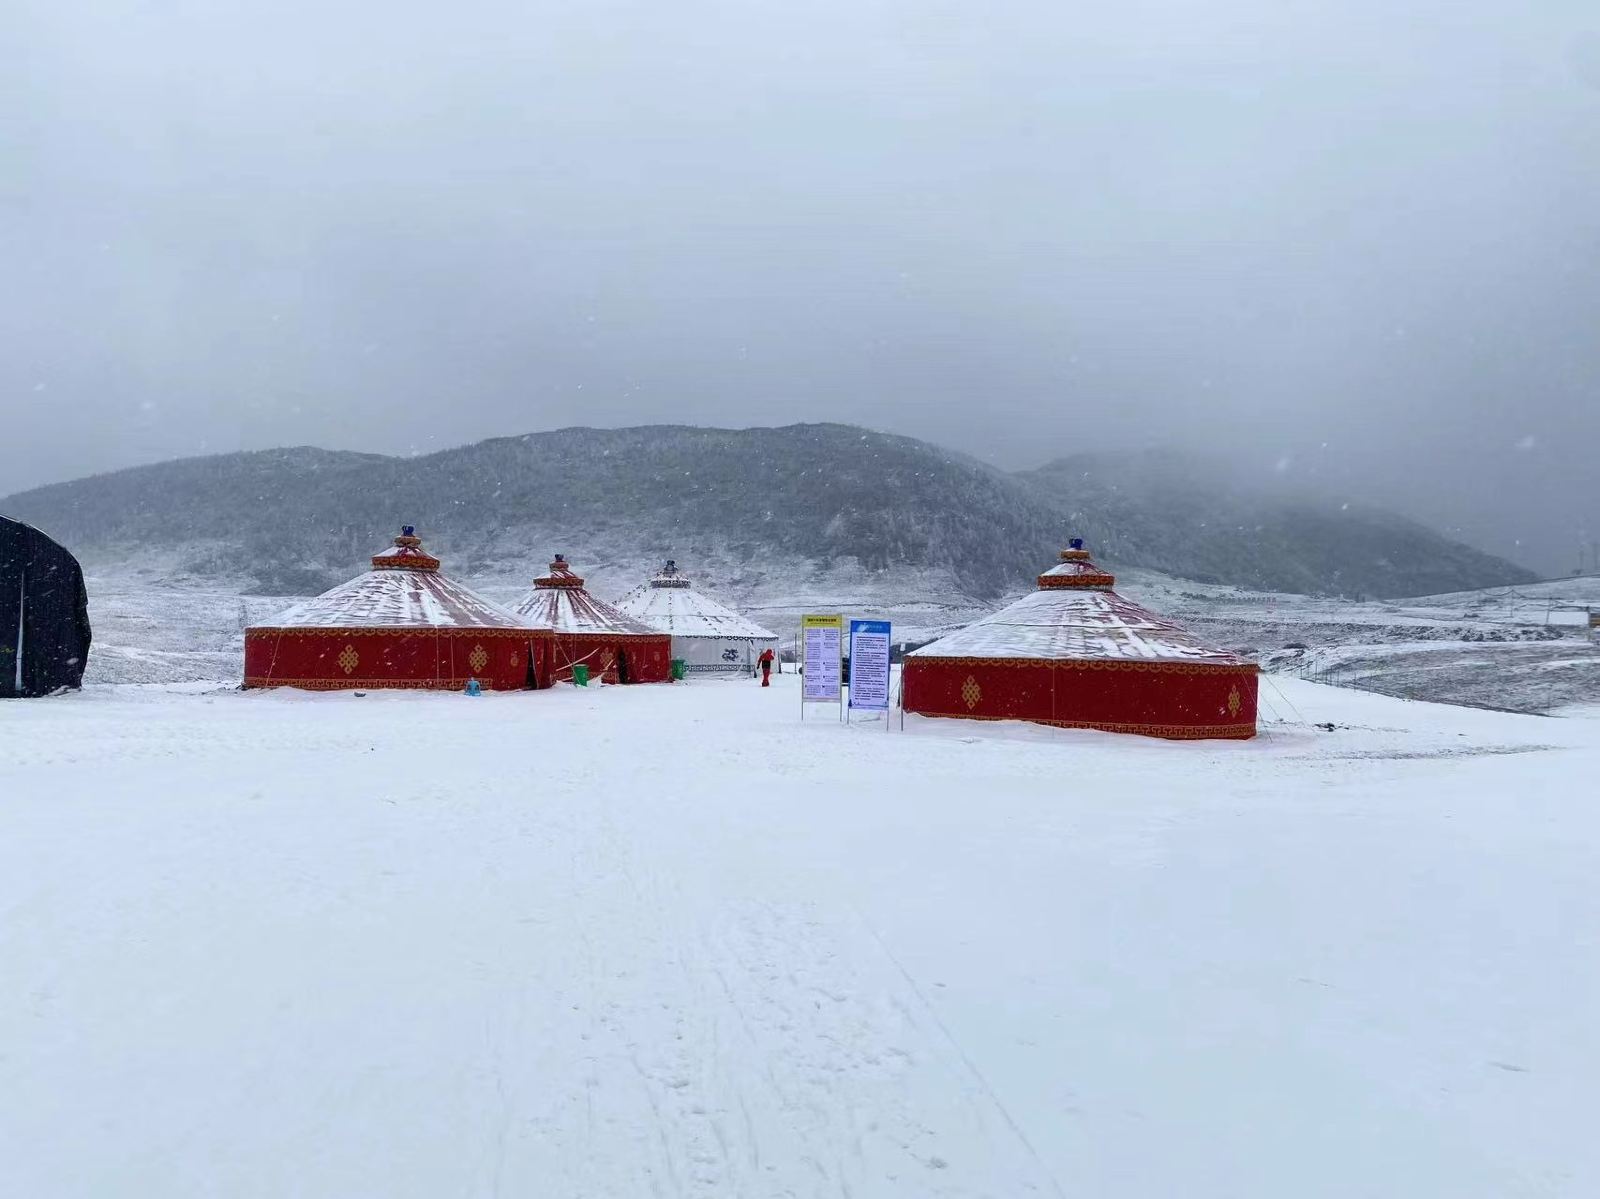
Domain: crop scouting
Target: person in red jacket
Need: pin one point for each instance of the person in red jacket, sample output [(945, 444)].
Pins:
[(766, 666)]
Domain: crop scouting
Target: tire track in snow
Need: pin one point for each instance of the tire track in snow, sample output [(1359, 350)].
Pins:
[(962, 1054)]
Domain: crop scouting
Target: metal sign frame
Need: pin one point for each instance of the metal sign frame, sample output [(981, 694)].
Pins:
[(879, 636), (817, 634)]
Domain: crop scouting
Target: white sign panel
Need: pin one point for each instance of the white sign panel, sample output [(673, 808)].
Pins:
[(820, 640), (869, 665)]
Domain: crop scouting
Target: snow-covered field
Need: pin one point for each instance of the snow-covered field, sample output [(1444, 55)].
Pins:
[(1523, 649), (672, 941)]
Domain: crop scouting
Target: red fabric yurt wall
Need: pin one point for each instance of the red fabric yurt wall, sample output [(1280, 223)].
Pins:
[(649, 658), (440, 659), (590, 632), (1158, 699)]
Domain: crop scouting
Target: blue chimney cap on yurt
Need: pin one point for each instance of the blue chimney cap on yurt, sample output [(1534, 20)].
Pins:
[(1075, 543), (408, 530)]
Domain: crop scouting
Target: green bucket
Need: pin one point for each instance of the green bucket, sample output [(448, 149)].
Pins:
[(679, 669), (580, 675)]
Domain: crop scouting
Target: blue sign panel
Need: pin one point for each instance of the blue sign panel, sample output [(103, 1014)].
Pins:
[(869, 665)]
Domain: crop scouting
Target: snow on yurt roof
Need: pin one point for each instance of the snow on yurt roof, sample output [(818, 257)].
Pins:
[(1076, 614), (404, 589), (560, 602), (670, 603)]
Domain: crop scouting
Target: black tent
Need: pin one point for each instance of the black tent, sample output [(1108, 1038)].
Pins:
[(44, 614)]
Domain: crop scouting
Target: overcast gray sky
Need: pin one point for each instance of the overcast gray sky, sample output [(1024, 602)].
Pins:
[(1354, 240)]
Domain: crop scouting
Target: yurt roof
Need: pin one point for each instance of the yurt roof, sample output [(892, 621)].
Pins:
[(670, 603), (1075, 614), (404, 589), (559, 601)]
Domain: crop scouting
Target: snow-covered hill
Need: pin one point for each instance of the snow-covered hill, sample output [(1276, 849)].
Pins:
[(1202, 520), (737, 504)]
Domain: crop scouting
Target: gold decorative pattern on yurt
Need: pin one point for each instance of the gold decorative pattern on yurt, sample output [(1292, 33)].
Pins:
[(1234, 702), (478, 658), (971, 693), (348, 658)]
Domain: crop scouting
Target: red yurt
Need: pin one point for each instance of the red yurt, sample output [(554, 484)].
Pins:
[(402, 624), (588, 631), (1076, 654)]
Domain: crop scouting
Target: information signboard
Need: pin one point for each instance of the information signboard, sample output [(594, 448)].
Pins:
[(821, 638), (869, 665)]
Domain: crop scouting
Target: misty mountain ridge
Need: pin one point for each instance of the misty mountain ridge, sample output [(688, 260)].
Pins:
[(294, 521), (1201, 518)]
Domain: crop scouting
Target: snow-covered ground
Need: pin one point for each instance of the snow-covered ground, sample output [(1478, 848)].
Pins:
[(1523, 649), (673, 941)]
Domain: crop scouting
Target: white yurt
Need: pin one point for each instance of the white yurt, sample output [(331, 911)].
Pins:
[(709, 637)]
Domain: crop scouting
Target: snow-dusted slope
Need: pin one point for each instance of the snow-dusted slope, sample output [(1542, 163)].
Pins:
[(1523, 649), (1560, 596), (1202, 519), (407, 946), (301, 519)]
